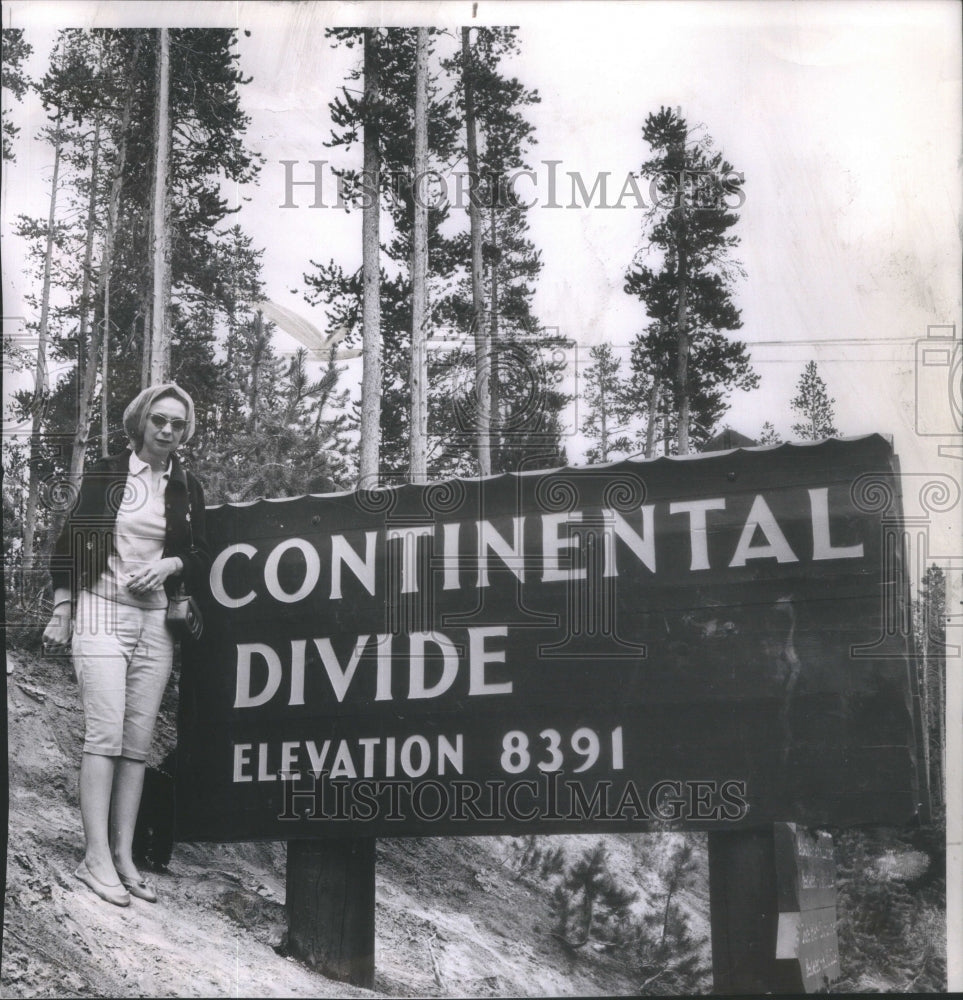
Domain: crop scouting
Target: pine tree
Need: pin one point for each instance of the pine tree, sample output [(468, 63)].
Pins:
[(604, 393), (589, 898), (813, 404), (684, 276), (670, 958), (51, 236), (288, 433), (535, 858), (523, 399), (92, 283), (394, 51), (207, 127), (15, 52), (530, 432), (768, 435)]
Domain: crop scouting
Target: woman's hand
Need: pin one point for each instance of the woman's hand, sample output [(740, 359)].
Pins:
[(57, 634), (153, 575)]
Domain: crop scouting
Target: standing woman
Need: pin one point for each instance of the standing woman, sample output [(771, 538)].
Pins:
[(135, 533)]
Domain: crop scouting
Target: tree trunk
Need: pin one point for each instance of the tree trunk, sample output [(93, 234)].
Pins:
[(88, 345), (654, 401), (588, 911), (924, 685), (940, 783), (682, 372), (42, 384), (147, 309), (105, 363), (418, 431), (682, 319), (666, 425), (116, 183), (603, 426), (369, 459), (952, 602), (653, 417), (941, 742), (665, 918), (934, 680), (158, 362), (493, 326), (482, 341), (256, 357)]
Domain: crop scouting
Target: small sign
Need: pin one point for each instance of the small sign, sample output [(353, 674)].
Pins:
[(806, 891)]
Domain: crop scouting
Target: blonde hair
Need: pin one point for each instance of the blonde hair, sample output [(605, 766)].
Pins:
[(135, 416)]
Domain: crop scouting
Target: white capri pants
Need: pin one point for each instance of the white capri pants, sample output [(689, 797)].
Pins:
[(122, 657)]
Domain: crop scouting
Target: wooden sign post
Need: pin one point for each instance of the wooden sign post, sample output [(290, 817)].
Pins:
[(331, 907), (709, 643), (772, 901), (743, 914)]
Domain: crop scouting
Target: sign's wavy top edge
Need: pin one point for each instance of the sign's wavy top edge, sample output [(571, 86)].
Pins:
[(885, 439)]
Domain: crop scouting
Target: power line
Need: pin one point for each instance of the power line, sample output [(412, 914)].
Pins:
[(834, 341), (868, 341), (832, 361)]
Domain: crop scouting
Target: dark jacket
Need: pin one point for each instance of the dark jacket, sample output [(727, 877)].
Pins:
[(87, 538)]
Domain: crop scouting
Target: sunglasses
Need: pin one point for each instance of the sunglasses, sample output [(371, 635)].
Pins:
[(178, 426)]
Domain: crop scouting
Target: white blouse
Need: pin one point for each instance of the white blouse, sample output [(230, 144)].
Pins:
[(138, 537)]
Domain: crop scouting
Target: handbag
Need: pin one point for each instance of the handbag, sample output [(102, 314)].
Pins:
[(184, 616)]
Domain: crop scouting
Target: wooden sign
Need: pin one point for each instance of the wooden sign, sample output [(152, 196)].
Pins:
[(706, 641), (806, 889)]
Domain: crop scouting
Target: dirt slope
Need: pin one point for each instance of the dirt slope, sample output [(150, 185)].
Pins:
[(453, 917)]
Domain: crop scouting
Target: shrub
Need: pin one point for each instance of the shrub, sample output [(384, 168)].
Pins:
[(892, 910)]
